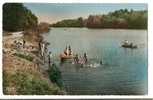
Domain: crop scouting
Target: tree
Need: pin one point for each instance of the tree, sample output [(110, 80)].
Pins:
[(80, 21), (16, 17)]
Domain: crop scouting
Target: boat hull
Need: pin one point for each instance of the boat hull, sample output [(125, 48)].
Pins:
[(129, 46), (66, 58)]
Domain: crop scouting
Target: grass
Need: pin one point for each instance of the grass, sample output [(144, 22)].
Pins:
[(27, 57), (27, 84)]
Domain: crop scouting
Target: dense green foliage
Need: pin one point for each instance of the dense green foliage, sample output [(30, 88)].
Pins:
[(70, 23), (27, 84), (55, 75), (27, 57), (118, 19), (16, 17)]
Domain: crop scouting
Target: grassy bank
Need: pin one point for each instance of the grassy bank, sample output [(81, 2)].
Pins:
[(23, 73), (23, 69), (24, 83)]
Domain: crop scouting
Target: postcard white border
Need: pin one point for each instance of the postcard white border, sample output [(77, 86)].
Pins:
[(150, 51)]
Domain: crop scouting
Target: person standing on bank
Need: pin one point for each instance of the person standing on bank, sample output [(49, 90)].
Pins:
[(24, 43), (39, 47), (42, 49), (50, 58)]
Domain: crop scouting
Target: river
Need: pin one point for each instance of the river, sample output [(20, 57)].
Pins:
[(124, 71)]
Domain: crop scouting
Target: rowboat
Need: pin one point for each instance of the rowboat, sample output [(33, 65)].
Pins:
[(127, 44)]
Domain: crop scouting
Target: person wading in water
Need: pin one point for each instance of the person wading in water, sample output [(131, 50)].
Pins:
[(85, 58), (76, 59)]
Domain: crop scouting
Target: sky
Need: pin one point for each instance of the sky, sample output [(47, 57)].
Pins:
[(53, 12)]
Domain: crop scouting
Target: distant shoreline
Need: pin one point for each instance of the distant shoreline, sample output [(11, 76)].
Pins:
[(122, 19), (103, 28)]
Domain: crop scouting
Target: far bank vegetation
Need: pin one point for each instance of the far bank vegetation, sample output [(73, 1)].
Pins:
[(122, 18)]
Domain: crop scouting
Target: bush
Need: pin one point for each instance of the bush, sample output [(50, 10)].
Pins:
[(55, 75)]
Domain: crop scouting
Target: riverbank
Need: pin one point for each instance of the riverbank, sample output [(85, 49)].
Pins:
[(23, 70)]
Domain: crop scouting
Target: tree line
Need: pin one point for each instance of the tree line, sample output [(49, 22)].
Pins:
[(122, 18), (70, 23)]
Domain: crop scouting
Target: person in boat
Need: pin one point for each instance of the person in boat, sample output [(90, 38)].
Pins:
[(69, 50), (85, 58), (126, 42), (76, 59), (66, 51)]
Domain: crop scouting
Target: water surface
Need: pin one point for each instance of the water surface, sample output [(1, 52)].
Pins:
[(124, 70)]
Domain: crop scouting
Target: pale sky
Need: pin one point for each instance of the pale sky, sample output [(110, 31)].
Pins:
[(53, 12)]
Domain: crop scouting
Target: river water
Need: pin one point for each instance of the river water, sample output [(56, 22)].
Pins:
[(124, 71)]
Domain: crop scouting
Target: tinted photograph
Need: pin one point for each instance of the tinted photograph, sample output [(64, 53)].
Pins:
[(75, 48)]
